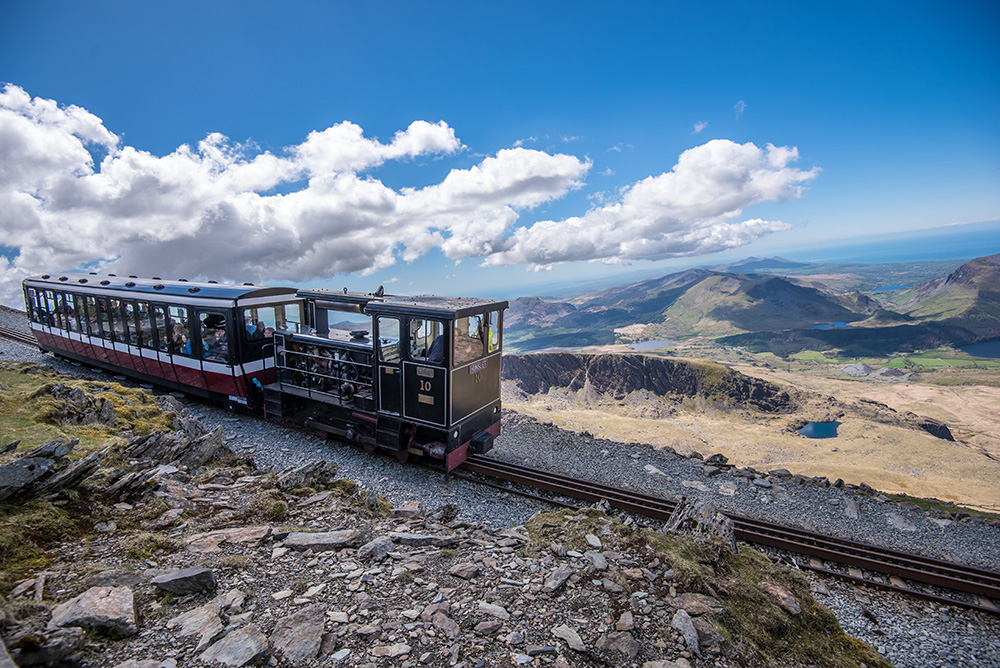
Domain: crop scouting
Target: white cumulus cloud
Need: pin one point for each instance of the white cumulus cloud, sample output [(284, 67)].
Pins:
[(72, 194), (691, 210)]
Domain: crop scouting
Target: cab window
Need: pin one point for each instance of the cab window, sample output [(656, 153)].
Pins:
[(469, 339), (427, 341), (492, 332), (388, 339)]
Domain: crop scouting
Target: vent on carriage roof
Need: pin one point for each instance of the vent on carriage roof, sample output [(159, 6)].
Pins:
[(82, 280), (194, 289), (183, 280), (63, 278), (214, 282), (250, 284), (105, 282), (132, 276), (130, 284), (46, 276), (157, 278), (158, 286), (93, 273), (112, 274)]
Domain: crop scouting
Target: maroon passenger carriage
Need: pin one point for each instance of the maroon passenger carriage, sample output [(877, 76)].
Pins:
[(405, 375)]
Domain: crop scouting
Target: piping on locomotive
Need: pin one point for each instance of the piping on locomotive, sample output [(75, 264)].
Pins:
[(405, 375)]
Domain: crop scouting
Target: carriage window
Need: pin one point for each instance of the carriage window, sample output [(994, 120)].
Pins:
[(468, 339), (388, 339), (117, 321), (30, 306), (71, 315), (214, 343), (134, 333), (89, 323), (50, 309), (492, 332), (180, 330), (158, 325), (427, 340), (145, 330), (104, 317)]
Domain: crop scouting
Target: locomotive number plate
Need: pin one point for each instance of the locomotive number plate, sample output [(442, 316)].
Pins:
[(478, 366)]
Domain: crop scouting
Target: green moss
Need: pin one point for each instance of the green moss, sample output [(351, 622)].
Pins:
[(146, 544), (26, 528), (271, 505)]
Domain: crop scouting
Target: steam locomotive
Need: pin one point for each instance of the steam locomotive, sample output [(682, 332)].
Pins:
[(406, 375)]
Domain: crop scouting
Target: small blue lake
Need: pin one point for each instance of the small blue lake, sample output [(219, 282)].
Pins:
[(990, 349), (890, 288), (652, 345), (820, 430), (836, 324)]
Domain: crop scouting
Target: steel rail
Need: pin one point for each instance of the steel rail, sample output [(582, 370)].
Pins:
[(18, 336), (912, 567)]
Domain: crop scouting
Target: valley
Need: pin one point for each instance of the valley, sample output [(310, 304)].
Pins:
[(894, 359)]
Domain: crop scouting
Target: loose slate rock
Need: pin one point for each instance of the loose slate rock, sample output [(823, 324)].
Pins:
[(376, 550), (571, 637), (186, 581), (324, 541), (557, 578), (619, 642), (465, 571), (203, 621), (102, 608), (297, 638), (782, 597), (682, 622), (238, 648), (210, 542), (424, 540)]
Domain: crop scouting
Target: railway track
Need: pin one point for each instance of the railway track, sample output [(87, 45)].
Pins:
[(18, 335), (858, 557)]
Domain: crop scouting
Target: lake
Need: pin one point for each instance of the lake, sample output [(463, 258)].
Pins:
[(652, 344), (990, 349), (836, 324), (820, 430), (890, 288)]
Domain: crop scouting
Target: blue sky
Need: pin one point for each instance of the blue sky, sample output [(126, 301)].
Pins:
[(551, 140)]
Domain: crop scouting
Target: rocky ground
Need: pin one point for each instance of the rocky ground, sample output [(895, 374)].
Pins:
[(370, 611)]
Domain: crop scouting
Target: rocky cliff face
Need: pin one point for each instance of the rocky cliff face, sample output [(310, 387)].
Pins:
[(619, 375)]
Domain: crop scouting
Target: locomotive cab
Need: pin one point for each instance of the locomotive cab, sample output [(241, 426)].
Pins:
[(408, 375)]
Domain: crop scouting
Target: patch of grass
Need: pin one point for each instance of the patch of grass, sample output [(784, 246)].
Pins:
[(146, 544), (29, 412), (26, 529), (345, 487), (764, 634), (935, 504), (271, 505)]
